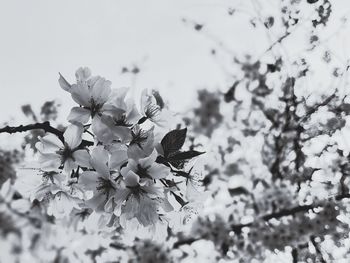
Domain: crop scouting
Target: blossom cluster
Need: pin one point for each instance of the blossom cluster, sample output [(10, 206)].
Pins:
[(118, 160)]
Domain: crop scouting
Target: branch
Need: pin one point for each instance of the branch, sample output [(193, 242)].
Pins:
[(45, 126), (284, 212), (342, 196), (317, 106), (278, 41), (318, 251), (288, 212), (187, 241), (37, 126)]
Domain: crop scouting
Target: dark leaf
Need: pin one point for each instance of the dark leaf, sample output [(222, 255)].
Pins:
[(180, 156), (179, 199), (230, 94), (160, 159), (171, 183), (183, 174), (173, 141)]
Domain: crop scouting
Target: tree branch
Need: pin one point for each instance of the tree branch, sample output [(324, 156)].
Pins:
[(284, 212), (317, 106), (36, 126), (318, 251), (187, 241), (288, 212), (40, 126)]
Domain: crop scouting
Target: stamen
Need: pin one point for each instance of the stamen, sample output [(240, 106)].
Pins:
[(121, 121), (152, 110), (65, 153), (105, 186), (138, 137), (143, 172), (94, 108)]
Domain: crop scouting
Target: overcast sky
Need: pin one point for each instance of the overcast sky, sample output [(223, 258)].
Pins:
[(41, 38)]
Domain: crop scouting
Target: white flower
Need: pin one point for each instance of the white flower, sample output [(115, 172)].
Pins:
[(92, 94), (100, 181), (62, 204), (141, 144), (153, 112), (135, 199), (147, 168), (52, 183), (54, 153), (119, 116)]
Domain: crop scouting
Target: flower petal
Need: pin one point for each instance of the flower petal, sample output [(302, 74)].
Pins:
[(83, 74), (97, 203), (64, 83), (123, 133), (49, 161), (158, 171), (69, 165), (131, 166), (101, 128), (117, 159), (49, 143), (73, 135), (81, 94), (101, 90), (99, 160), (82, 158), (148, 161), (89, 180), (131, 179), (79, 114)]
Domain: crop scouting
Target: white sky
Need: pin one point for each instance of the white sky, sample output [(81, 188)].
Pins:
[(40, 38)]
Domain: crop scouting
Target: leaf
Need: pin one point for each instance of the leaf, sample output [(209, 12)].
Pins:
[(183, 174), (230, 94), (161, 160), (184, 155), (179, 199), (173, 141)]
